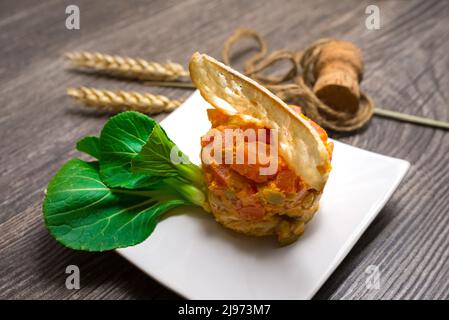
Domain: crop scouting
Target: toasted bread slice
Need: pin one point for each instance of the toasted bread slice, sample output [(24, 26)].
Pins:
[(232, 92)]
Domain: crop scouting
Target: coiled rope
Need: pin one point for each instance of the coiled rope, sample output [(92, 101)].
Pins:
[(296, 83)]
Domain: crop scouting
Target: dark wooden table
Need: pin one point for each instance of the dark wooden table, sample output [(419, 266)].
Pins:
[(407, 62)]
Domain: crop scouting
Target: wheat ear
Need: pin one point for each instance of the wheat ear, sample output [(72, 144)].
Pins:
[(126, 67), (123, 100)]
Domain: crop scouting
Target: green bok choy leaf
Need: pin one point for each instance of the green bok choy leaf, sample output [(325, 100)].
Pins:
[(117, 201)]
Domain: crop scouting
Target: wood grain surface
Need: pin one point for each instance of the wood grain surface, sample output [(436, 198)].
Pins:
[(407, 65)]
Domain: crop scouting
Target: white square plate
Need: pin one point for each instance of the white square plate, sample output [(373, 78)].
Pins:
[(195, 256)]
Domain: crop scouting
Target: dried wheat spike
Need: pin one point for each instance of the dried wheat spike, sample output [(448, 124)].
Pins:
[(138, 69), (123, 100)]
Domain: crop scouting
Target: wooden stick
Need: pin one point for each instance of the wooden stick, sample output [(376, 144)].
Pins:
[(410, 118)]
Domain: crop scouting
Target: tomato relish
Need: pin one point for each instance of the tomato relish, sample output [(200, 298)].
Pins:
[(242, 186)]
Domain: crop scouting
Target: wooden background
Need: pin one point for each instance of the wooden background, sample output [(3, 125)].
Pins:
[(407, 62)]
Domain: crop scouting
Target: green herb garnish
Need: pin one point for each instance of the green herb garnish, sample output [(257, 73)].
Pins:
[(116, 201)]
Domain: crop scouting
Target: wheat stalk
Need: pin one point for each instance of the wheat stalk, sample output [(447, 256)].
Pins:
[(123, 100), (126, 67)]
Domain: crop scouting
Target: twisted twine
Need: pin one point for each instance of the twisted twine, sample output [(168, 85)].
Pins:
[(295, 85), (123, 100), (127, 67)]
